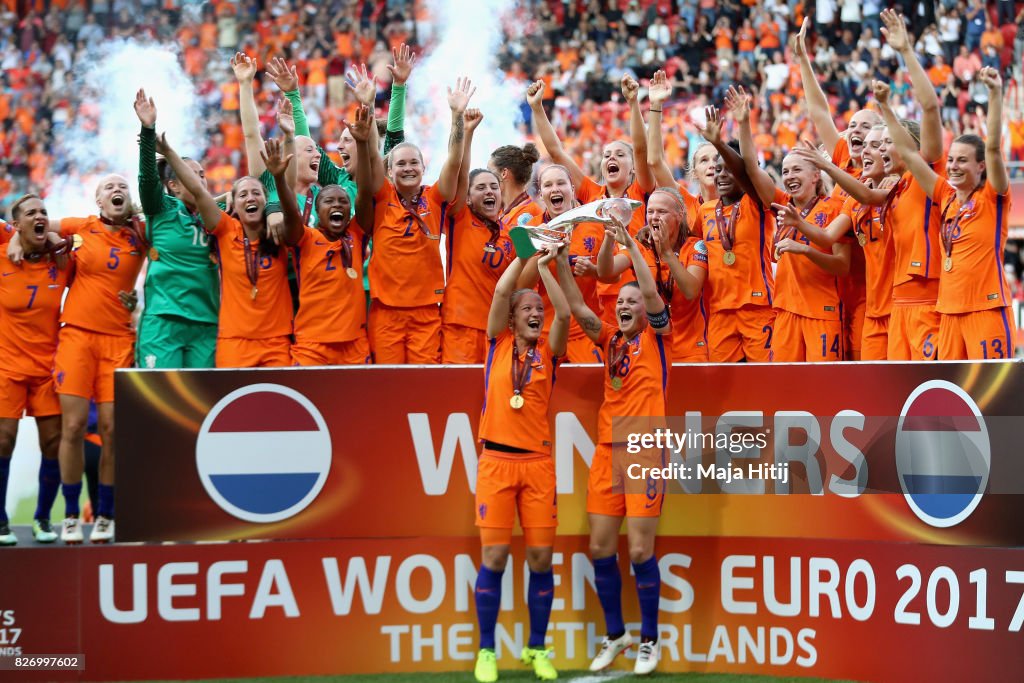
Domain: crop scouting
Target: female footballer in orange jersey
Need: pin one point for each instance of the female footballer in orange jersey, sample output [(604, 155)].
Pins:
[(514, 168), (809, 322), (637, 362), (30, 297), (516, 471), (974, 198), (255, 309), (556, 192), (862, 220), (737, 233), (702, 168), (623, 174), (478, 252), (679, 264), (406, 275)]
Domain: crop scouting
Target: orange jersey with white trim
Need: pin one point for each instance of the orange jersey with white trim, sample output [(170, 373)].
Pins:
[(527, 427), (472, 271), (914, 221), (108, 262), (267, 315), (643, 372), (332, 305), (801, 287), (977, 281), (30, 297), (405, 267), (749, 280), (878, 256), (689, 318), (586, 241)]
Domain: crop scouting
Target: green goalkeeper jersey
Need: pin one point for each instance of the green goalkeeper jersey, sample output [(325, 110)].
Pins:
[(181, 278)]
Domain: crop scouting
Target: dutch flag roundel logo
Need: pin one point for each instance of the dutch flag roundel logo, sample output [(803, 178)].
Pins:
[(943, 454), (263, 453)]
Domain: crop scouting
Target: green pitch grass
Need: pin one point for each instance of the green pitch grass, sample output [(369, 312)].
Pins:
[(524, 675)]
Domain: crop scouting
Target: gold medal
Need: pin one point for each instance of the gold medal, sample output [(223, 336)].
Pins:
[(76, 241), (617, 381), (253, 293), (351, 272), (729, 258), (948, 265), (516, 402), (489, 248), (154, 255), (862, 239)]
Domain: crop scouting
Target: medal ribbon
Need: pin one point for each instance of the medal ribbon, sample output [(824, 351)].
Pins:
[(728, 236), (890, 200), (252, 262), (520, 369), (616, 354), (949, 228), (411, 208)]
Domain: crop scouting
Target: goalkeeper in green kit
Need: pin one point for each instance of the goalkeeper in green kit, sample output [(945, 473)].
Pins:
[(178, 328)]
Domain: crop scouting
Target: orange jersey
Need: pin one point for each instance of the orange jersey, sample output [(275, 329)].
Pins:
[(242, 316), (589, 191), (521, 212), (472, 271), (801, 287), (643, 373), (108, 262), (913, 220), (6, 232), (841, 158), (878, 256), (586, 242), (976, 281), (30, 296), (692, 204), (749, 280), (332, 304), (527, 427), (405, 268), (689, 318)]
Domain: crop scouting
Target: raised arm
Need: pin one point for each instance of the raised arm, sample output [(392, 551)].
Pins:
[(277, 163), (712, 132), (497, 318), (609, 264), (151, 191), (546, 132), (832, 233), (286, 78), (473, 117), (659, 91), (286, 122), (589, 321), (458, 100), (366, 155), (904, 142), (895, 32), (817, 104), (739, 102), (558, 335), (404, 60), (244, 69), (364, 88), (637, 133), (854, 187), (653, 304), (995, 166), (208, 209)]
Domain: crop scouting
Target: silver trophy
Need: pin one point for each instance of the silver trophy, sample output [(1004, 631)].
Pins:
[(558, 230)]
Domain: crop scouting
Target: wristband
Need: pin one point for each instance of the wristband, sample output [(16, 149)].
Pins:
[(272, 207), (659, 321), (656, 111)]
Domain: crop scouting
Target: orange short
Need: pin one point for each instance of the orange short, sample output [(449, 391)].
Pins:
[(34, 396), (86, 360), (913, 332), (687, 349), (274, 352), (353, 352), (400, 336), (461, 345), (874, 343), (979, 335), (617, 488), (798, 339), (507, 482), (741, 333), (583, 350)]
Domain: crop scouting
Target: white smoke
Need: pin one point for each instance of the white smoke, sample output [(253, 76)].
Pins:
[(466, 37), (103, 137)]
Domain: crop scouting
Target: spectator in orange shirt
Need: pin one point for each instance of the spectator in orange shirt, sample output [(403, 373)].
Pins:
[(939, 73)]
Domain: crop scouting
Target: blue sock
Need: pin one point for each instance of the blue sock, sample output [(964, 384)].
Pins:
[(540, 594), (49, 482), (609, 591), (72, 492), (488, 602), (5, 470), (648, 590), (105, 504)]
